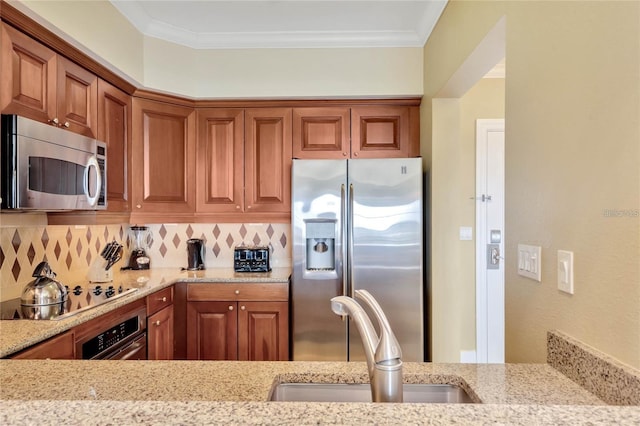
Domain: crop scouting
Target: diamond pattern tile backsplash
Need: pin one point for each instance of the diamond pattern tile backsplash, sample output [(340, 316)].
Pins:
[(71, 250)]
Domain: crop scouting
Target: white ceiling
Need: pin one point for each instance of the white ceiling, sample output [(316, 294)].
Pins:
[(224, 24)]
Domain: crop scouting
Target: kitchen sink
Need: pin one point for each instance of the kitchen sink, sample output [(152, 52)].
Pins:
[(361, 392)]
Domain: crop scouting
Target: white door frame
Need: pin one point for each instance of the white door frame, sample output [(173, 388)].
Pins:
[(489, 216)]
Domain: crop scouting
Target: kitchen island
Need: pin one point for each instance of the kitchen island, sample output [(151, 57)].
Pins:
[(227, 392)]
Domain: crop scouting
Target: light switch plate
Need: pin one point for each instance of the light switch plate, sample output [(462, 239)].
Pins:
[(530, 261), (466, 233), (565, 271)]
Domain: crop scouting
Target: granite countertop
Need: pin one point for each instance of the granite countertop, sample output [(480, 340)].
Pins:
[(16, 335), (236, 392)]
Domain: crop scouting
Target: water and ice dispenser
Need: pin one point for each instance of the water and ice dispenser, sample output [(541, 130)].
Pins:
[(321, 243)]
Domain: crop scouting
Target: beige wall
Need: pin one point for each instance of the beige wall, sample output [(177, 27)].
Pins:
[(453, 183), (572, 157), (233, 73)]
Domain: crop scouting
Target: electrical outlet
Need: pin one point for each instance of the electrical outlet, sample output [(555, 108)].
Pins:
[(565, 271), (530, 261)]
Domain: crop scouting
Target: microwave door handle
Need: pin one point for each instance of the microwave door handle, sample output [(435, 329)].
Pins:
[(93, 162)]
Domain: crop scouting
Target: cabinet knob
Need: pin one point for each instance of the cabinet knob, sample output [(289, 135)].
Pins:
[(138, 206), (344, 154), (355, 154), (237, 291), (66, 124), (164, 299), (237, 206), (243, 307), (158, 322), (54, 121), (231, 307)]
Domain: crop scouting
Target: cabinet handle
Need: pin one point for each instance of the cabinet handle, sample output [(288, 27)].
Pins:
[(158, 322), (231, 307), (237, 292), (242, 307)]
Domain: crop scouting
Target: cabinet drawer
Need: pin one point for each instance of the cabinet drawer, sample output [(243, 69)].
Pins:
[(237, 292), (159, 299)]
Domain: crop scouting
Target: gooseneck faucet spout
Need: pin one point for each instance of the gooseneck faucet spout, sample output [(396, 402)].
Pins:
[(384, 357)]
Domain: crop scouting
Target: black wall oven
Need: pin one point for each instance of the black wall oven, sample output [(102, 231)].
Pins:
[(123, 338)]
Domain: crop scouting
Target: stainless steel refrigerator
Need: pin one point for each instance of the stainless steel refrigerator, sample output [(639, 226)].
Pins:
[(356, 224)]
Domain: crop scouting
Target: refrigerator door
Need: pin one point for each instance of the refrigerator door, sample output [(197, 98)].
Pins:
[(386, 253), (318, 204)]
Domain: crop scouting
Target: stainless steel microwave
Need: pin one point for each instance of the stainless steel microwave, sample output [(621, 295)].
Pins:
[(50, 169)]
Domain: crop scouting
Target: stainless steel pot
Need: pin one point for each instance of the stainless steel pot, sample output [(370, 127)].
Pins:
[(44, 297)]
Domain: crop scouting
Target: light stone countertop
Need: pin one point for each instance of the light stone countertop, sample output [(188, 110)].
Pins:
[(236, 392), (16, 335)]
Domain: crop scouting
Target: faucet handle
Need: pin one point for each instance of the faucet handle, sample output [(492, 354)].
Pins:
[(388, 350)]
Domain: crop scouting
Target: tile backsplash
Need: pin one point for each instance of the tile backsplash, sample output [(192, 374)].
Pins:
[(71, 250)]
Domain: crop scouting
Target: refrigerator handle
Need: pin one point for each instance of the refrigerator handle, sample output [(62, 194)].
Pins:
[(343, 233), (351, 290)]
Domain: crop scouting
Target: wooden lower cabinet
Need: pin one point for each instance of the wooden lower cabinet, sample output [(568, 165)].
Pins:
[(161, 325), (248, 322), (160, 335), (58, 347)]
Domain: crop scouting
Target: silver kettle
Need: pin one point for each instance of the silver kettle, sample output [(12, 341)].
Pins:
[(44, 297)]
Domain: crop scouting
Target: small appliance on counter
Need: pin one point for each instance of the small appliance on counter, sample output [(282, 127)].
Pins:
[(100, 271), (195, 254), (44, 297), (252, 259), (140, 237)]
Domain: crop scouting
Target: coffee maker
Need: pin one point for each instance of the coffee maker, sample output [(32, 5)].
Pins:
[(195, 254), (140, 237)]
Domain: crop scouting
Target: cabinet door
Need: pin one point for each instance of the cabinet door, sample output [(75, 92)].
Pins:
[(212, 331), (380, 131), (263, 331), (160, 334), (59, 347), (77, 98), (321, 132), (114, 116), (163, 153), (268, 160), (28, 76), (220, 160)]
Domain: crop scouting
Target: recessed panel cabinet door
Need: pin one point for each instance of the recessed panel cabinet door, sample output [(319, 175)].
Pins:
[(160, 334), (263, 331), (212, 331), (267, 159), (77, 98), (220, 160), (114, 112), (321, 132), (28, 70), (380, 132), (163, 158)]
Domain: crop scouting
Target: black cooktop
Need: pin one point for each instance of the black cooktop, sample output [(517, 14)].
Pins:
[(80, 299)]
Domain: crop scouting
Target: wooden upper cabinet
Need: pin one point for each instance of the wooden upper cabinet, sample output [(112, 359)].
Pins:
[(41, 85), (28, 80), (220, 160), (163, 158), (382, 132), (321, 132), (267, 153), (77, 91), (114, 116)]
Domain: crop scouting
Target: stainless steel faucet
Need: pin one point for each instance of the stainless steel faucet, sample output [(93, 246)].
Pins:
[(384, 357)]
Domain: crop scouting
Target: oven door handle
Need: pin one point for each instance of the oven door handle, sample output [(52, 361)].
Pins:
[(131, 350)]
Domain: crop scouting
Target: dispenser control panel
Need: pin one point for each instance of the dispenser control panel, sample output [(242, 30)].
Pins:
[(251, 259)]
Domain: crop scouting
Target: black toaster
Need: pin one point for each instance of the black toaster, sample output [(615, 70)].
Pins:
[(251, 259)]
